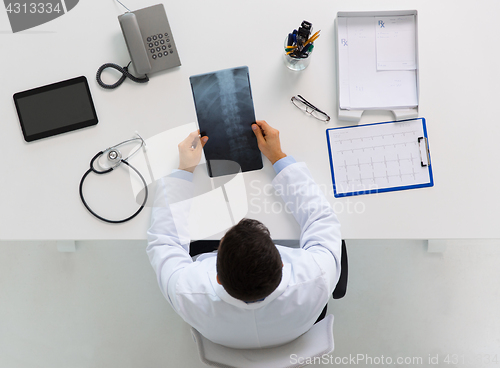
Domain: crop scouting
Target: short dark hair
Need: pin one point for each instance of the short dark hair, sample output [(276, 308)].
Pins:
[(249, 265)]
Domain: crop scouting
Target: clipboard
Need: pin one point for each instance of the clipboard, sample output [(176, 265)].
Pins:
[(379, 157)]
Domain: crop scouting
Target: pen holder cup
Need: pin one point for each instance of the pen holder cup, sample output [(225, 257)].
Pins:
[(296, 63)]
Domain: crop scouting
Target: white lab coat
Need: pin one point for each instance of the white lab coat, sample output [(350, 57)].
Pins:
[(310, 273)]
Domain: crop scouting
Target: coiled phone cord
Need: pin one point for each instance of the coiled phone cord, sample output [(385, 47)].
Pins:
[(123, 70)]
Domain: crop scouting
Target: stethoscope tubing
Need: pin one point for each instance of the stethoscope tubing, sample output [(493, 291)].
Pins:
[(93, 169)]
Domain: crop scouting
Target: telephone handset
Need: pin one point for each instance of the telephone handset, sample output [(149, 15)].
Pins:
[(150, 44)]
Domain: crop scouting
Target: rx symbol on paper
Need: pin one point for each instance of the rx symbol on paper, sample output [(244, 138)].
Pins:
[(344, 42), (381, 24)]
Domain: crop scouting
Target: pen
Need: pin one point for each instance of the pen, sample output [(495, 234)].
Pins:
[(307, 50)]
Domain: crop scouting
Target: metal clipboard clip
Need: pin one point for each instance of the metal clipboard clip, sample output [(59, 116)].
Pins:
[(423, 145)]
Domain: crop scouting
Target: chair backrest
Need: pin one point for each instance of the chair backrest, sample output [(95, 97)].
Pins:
[(314, 343)]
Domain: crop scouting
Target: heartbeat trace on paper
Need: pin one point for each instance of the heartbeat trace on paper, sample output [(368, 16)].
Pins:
[(373, 157)]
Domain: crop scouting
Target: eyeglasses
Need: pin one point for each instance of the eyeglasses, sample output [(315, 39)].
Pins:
[(309, 108)]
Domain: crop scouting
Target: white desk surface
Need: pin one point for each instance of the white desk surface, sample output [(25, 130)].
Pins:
[(459, 79)]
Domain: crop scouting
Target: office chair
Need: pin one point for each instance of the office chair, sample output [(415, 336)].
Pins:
[(313, 344), (341, 287)]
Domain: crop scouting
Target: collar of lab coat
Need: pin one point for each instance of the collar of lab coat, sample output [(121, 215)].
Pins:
[(222, 293)]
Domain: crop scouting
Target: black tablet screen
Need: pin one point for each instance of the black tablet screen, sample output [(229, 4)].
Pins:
[(55, 109), (225, 112)]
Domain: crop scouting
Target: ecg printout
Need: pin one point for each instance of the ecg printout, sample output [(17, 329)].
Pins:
[(377, 156)]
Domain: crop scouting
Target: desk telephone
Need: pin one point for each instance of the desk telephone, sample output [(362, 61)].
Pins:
[(150, 44)]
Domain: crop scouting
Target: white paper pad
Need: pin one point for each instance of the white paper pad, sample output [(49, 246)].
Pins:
[(396, 43), (361, 85), (343, 63)]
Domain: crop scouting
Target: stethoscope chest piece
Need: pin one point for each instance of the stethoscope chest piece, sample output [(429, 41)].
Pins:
[(109, 158), (114, 155)]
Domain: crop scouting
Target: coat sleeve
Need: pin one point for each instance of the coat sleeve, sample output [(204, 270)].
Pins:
[(320, 228), (168, 234)]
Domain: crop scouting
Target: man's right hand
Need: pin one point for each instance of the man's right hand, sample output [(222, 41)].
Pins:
[(190, 151), (268, 139)]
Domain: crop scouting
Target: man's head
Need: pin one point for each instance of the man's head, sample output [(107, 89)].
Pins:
[(249, 265)]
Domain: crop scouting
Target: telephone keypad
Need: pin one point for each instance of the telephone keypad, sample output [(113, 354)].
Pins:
[(156, 52)]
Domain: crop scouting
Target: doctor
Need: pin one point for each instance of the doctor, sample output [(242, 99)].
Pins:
[(252, 293)]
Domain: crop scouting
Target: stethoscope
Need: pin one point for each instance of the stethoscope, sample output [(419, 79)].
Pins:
[(110, 159)]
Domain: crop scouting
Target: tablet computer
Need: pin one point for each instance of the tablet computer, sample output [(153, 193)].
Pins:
[(56, 108), (225, 112)]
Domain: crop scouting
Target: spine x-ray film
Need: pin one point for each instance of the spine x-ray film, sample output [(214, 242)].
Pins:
[(224, 107)]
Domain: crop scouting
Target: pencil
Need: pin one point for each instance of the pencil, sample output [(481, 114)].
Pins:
[(313, 38)]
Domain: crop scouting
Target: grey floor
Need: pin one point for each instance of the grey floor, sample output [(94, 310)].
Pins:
[(101, 307)]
